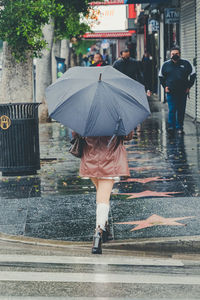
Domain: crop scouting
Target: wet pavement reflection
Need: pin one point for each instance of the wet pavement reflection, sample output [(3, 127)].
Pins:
[(58, 204)]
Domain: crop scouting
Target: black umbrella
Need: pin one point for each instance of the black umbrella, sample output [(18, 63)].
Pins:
[(97, 101)]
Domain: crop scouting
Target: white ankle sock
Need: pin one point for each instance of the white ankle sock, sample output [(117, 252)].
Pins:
[(102, 212)]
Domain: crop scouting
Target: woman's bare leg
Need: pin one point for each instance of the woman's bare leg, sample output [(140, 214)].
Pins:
[(104, 190), (95, 182)]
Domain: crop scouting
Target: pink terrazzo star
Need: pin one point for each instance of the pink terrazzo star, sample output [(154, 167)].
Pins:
[(145, 180), (149, 194), (156, 220)]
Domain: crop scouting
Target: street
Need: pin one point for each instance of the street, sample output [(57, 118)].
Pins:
[(45, 244), (47, 222), (81, 72), (159, 200), (39, 272)]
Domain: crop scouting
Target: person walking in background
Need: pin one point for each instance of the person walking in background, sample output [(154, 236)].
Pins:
[(106, 57), (85, 61), (147, 72), (128, 66), (177, 76), (98, 61), (104, 165)]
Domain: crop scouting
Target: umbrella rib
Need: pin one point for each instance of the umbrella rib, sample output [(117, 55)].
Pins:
[(63, 102), (86, 125), (120, 91), (89, 124)]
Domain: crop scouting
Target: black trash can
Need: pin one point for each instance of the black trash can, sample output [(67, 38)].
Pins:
[(19, 139)]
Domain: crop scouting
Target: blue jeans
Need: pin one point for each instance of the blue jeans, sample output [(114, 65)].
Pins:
[(176, 105)]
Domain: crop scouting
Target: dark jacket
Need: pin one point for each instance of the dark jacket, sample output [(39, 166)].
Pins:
[(147, 72), (128, 67), (177, 76)]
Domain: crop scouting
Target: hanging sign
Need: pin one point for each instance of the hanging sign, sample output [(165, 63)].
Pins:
[(172, 15), (153, 26)]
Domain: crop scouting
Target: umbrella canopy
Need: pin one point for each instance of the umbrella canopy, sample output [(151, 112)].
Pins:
[(98, 101)]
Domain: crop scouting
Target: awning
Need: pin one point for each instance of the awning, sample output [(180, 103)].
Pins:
[(100, 35), (111, 2), (144, 1), (117, 2)]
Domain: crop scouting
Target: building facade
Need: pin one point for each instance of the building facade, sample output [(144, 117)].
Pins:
[(114, 26), (190, 47), (178, 24), (156, 26)]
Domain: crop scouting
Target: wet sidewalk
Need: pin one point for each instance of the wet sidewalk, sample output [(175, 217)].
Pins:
[(160, 200)]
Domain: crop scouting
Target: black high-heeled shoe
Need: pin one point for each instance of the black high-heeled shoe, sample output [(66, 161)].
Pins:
[(97, 241), (106, 234)]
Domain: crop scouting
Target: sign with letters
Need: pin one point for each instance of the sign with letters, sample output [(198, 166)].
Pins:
[(172, 15), (153, 26), (107, 18)]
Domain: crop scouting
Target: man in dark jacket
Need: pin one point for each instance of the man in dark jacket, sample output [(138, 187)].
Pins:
[(177, 76), (128, 66)]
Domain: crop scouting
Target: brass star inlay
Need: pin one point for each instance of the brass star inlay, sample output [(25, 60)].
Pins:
[(156, 220)]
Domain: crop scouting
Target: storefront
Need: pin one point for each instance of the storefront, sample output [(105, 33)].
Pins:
[(171, 28), (190, 48), (113, 21), (117, 41), (198, 60), (158, 31)]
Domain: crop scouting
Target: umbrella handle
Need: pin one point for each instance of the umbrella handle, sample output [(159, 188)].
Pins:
[(110, 141), (117, 126)]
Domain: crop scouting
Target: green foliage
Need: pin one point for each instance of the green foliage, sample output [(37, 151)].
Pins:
[(68, 25), (81, 46), (21, 23)]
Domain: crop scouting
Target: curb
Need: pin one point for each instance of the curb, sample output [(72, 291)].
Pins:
[(40, 242), (181, 244)]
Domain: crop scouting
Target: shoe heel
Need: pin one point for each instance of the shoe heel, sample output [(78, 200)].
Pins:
[(107, 236), (97, 241)]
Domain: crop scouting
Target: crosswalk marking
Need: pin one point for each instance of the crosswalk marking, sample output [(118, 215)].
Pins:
[(81, 298), (99, 278), (99, 260)]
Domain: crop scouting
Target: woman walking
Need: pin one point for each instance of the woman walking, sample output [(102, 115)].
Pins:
[(104, 165)]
